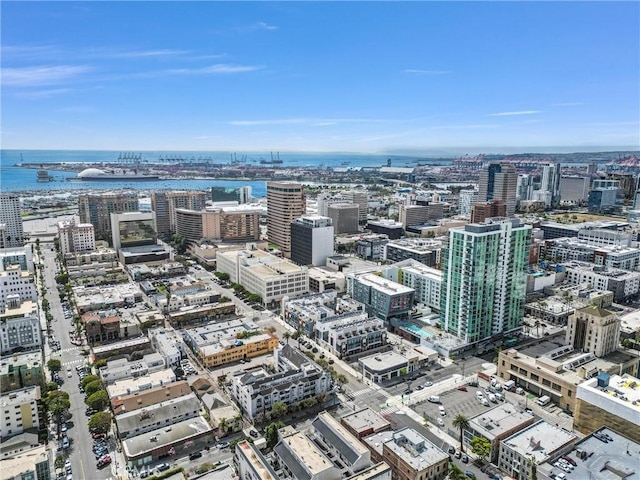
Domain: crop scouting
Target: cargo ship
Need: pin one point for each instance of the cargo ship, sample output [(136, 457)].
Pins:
[(124, 175)]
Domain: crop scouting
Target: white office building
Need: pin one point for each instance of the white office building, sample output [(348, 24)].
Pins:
[(19, 325), (19, 411), (15, 281), (76, 237), (11, 230)]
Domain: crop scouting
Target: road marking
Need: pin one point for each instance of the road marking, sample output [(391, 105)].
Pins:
[(82, 468)]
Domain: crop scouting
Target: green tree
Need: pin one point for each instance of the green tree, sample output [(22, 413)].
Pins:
[(455, 473), (100, 363), (279, 409), (222, 276), (54, 365), (461, 422), (51, 386), (481, 447), (59, 462), (271, 433), (341, 379), (222, 424), (99, 400), (286, 336), (224, 299), (62, 278), (254, 297), (92, 387), (88, 379), (100, 422), (425, 420), (58, 405)]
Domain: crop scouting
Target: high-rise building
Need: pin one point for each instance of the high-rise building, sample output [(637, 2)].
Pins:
[(524, 187), (11, 232), (344, 217), (97, 209), (245, 194), (499, 180), (285, 203), (482, 210), (550, 182), (311, 240), (165, 204), (236, 224), (76, 237), (419, 214), (466, 199), (593, 329), (133, 229), (360, 198), (484, 279)]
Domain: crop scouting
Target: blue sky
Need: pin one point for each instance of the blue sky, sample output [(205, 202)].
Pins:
[(320, 76)]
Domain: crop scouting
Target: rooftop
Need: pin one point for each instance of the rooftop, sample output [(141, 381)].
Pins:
[(383, 361), (13, 362), (374, 471), (156, 413), (127, 386), (339, 437), (19, 397), (256, 460), (366, 419), (499, 420), (621, 396), (302, 456), (415, 449), (539, 440), (130, 342), (379, 283), (24, 462)]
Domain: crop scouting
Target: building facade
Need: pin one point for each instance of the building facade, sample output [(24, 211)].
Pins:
[(20, 411), (484, 279), (425, 281), (285, 203), (344, 217), (499, 181), (382, 298), (165, 205), (218, 224), (412, 457), (15, 281), (96, 209), (311, 240), (12, 232), (19, 325), (76, 238), (594, 329)]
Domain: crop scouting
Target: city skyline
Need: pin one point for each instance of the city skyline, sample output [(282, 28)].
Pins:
[(320, 76)]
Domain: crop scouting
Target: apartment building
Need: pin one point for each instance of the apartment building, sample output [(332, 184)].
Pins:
[(30, 464), (594, 329), (135, 401), (412, 457), (499, 181), (19, 325), (285, 203), (11, 229), (168, 344), (465, 200), (419, 214), (20, 411), (121, 369), (351, 334), (96, 209), (166, 204), (297, 378), (128, 386), (480, 211), (76, 237), (371, 247), (422, 250), (623, 283), (16, 281), (299, 457), (425, 281), (226, 225), (382, 298), (364, 422), (21, 256), (21, 370), (251, 464), (608, 256)]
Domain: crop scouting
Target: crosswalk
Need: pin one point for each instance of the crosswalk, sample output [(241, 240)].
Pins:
[(70, 349), (74, 362), (388, 410), (359, 393)]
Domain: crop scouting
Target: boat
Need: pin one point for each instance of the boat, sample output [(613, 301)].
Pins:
[(271, 162), (43, 177), (98, 175)]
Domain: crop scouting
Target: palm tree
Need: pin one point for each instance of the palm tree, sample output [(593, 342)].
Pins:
[(462, 423), (286, 336), (455, 473), (537, 328)]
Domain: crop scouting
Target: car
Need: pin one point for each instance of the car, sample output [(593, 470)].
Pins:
[(223, 444), (63, 427), (465, 458), (163, 466), (69, 374), (458, 454), (452, 449), (442, 411), (322, 355), (144, 473), (419, 387), (331, 362), (65, 442), (195, 455), (463, 389), (254, 433), (67, 464), (440, 422), (314, 350), (470, 474)]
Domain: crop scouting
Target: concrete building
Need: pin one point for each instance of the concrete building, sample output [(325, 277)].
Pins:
[(419, 214), (425, 281), (351, 334), (574, 189), (122, 369), (106, 297), (425, 251), (497, 424), (360, 198), (21, 370), (595, 330), (623, 283), (20, 411), (602, 237), (76, 238), (250, 463), (607, 256), (136, 401), (245, 194), (551, 368), (12, 232), (382, 298), (158, 415), (465, 200), (226, 225), (19, 325), (166, 204), (322, 279), (480, 211), (364, 422), (550, 182), (300, 458), (297, 377), (31, 464), (285, 203), (311, 240), (499, 181), (385, 366), (128, 386), (605, 199), (327, 199), (96, 209), (264, 274), (413, 457), (533, 445), (133, 229), (305, 311), (344, 217), (168, 344), (15, 281), (484, 279), (21, 256), (371, 247), (393, 230), (609, 401)]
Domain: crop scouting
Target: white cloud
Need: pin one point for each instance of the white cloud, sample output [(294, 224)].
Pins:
[(220, 68), (35, 94), (413, 71), (265, 26), (316, 122), (508, 114), (42, 75), (148, 53)]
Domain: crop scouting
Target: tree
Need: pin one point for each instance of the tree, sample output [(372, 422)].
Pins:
[(51, 386), (461, 422), (54, 365), (341, 379), (222, 276), (224, 299), (88, 379), (279, 409), (100, 363), (100, 422), (271, 433), (286, 336), (98, 401), (92, 387), (425, 420), (62, 278), (481, 447), (455, 473), (222, 424), (59, 463), (58, 405)]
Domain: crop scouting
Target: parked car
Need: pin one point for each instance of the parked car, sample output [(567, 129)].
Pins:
[(195, 455), (458, 454), (163, 466), (470, 474), (223, 444), (465, 458), (254, 433)]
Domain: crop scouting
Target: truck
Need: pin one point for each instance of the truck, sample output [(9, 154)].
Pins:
[(543, 400), (509, 385)]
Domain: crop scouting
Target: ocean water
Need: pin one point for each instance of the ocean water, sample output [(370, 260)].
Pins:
[(16, 179)]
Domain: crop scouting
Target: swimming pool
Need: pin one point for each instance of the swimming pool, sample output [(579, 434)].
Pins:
[(419, 331)]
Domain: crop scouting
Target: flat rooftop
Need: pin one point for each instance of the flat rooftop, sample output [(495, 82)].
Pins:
[(257, 461), (621, 397), (130, 385), (306, 453), (415, 449), (366, 419), (131, 342), (376, 471), (14, 362), (498, 420), (387, 286), (19, 397), (539, 440), (616, 460), (24, 462), (383, 361)]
